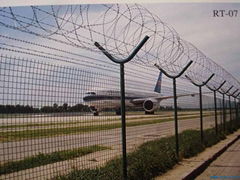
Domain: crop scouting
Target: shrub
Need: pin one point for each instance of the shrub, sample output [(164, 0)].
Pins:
[(210, 137), (190, 143), (152, 158)]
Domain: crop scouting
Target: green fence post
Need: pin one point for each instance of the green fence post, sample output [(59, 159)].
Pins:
[(122, 85)]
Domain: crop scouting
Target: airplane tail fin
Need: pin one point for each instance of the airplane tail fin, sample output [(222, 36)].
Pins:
[(158, 84)]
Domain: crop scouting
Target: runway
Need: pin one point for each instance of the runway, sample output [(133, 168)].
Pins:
[(82, 121), (136, 135), (10, 151)]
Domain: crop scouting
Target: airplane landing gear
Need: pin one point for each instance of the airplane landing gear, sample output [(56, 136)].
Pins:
[(95, 113), (118, 111), (94, 110), (149, 112)]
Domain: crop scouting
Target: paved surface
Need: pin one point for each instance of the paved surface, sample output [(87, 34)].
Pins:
[(57, 118), (136, 135), (83, 122), (10, 151), (186, 166), (226, 166)]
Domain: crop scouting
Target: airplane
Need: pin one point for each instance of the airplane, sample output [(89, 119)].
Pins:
[(101, 99)]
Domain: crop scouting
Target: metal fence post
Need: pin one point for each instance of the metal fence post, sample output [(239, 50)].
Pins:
[(236, 105), (201, 116), (236, 110), (175, 116), (200, 100), (215, 112), (224, 112), (175, 100), (221, 115), (215, 103), (122, 85), (230, 110), (230, 107)]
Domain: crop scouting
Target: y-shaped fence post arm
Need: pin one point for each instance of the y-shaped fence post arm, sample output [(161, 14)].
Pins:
[(215, 103), (170, 76), (228, 90), (230, 105), (237, 95), (236, 106), (200, 101), (203, 83), (120, 61), (223, 105), (232, 94), (221, 85), (175, 99), (122, 84), (216, 89)]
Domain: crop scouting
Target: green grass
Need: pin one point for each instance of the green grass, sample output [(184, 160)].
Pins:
[(15, 115), (151, 159), (19, 135), (43, 159), (26, 134)]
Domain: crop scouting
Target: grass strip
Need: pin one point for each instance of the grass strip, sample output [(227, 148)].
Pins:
[(151, 159), (43, 159), (27, 134), (89, 121)]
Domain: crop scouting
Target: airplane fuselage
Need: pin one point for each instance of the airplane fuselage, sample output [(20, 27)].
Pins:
[(111, 99)]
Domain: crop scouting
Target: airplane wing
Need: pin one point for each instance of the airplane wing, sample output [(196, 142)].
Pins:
[(160, 98)]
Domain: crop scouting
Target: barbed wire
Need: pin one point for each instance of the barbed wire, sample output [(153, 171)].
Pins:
[(118, 28)]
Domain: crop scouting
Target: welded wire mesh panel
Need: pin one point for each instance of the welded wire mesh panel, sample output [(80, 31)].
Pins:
[(118, 28), (60, 96), (47, 122), (160, 122), (46, 128)]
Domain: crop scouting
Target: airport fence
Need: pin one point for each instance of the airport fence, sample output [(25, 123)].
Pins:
[(48, 130), (60, 95)]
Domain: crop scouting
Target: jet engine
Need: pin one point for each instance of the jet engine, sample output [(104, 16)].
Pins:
[(149, 105)]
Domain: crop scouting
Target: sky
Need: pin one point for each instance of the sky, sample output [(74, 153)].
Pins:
[(217, 37)]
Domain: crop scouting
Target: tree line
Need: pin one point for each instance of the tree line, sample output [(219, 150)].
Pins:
[(11, 109)]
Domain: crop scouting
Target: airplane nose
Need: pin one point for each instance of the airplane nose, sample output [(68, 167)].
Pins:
[(85, 98)]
